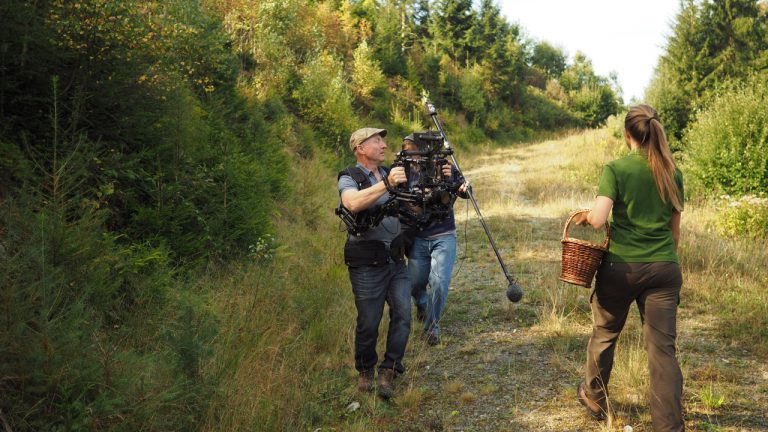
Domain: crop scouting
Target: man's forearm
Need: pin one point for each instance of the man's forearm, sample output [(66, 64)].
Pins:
[(357, 201)]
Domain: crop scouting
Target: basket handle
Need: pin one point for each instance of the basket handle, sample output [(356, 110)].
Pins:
[(574, 213)]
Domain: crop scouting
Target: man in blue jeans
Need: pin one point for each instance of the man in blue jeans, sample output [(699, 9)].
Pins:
[(431, 256), (374, 256)]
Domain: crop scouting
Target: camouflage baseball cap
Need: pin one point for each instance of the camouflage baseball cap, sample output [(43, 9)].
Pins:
[(363, 134)]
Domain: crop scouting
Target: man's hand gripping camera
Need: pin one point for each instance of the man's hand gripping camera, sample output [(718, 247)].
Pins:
[(429, 193)]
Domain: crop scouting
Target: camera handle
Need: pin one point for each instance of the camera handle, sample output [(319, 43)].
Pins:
[(514, 292)]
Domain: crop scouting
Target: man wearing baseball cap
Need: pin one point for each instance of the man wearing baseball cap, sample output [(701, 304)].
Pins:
[(375, 259)]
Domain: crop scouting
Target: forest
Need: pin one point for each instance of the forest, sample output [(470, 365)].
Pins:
[(168, 251)]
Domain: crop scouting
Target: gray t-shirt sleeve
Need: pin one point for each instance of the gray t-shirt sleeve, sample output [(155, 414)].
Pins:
[(346, 182)]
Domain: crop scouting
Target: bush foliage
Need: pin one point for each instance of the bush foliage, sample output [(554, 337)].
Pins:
[(709, 88), (143, 143), (743, 217), (726, 147)]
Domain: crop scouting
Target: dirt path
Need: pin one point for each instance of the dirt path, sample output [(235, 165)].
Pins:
[(513, 367)]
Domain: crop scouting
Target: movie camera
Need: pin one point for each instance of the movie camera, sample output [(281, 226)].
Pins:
[(428, 195)]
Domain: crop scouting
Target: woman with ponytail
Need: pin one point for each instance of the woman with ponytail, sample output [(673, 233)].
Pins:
[(645, 191)]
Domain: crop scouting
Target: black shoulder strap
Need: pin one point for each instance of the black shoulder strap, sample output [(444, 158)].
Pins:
[(357, 174)]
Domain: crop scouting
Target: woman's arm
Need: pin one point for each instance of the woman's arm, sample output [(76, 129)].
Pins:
[(674, 225), (598, 216)]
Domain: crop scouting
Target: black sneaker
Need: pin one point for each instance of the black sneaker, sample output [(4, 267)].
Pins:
[(433, 339)]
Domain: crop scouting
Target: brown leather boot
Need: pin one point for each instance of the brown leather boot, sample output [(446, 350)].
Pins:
[(365, 381), (384, 383), (597, 410)]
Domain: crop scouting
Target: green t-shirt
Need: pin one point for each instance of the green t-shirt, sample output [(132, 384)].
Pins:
[(640, 221)]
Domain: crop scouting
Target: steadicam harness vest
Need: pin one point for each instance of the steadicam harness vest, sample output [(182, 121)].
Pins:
[(367, 252), (359, 223), (359, 176)]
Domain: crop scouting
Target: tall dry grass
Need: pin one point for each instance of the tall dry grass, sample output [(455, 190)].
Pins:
[(286, 324)]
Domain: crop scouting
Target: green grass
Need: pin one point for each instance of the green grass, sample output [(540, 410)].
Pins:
[(286, 324)]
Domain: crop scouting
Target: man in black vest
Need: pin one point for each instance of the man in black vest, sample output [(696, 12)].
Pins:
[(375, 259)]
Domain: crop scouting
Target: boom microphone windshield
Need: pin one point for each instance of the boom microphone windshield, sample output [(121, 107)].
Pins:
[(514, 292)]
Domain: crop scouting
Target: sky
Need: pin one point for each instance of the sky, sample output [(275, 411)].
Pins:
[(625, 36)]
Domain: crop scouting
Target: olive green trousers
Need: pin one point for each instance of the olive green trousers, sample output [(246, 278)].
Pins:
[(655, 287)]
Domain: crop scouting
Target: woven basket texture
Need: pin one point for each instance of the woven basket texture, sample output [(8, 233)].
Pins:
[(581, 258)]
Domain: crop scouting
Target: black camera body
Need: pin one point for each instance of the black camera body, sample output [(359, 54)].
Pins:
[(427, 195)]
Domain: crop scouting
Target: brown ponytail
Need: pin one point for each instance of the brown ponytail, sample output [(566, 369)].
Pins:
[(643, 125)]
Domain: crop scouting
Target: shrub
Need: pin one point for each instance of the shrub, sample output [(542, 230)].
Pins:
[(746, 216), (540, 112), (727, 145), (324, 99), (471, 92), (404, 120), (615, 125), (366, 73), (80, 345), (594, 103)]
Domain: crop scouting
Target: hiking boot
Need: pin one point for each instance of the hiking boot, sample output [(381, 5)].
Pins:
[(596, 410), (384, 383), (421, 313), (365, 381)]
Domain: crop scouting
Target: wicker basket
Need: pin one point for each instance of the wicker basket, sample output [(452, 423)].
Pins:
[(580, 257)]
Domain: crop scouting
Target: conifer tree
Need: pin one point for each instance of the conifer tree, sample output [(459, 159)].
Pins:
[(451, 23), (712, 42), (490, 28), (674, 86), (390, 36), (419, 11), (735, 36)]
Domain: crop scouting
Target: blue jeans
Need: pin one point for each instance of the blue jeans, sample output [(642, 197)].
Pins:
[(372, 286), (431, 261)]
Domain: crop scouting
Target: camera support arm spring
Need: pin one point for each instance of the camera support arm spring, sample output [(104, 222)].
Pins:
[(514, 292)]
